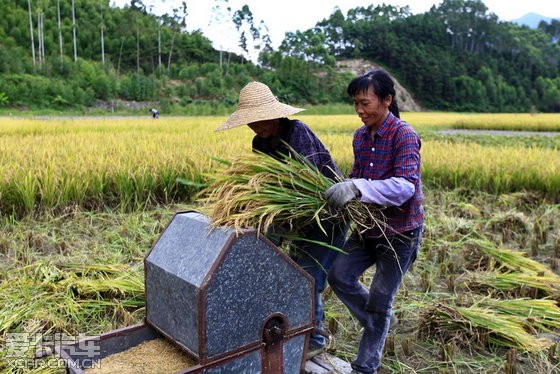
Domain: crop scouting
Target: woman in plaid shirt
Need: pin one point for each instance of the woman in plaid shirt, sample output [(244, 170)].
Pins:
[(386, 172)]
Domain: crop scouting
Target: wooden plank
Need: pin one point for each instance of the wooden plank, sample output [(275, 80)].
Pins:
[(312, 367), (327, 364)]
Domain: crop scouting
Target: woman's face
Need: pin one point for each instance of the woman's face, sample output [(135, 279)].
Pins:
[(265, 129), (371, 110)]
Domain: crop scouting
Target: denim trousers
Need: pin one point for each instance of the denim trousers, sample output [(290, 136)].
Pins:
[(316, 260), (392, 256)]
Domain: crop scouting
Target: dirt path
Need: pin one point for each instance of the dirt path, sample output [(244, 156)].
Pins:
[(500, 132)]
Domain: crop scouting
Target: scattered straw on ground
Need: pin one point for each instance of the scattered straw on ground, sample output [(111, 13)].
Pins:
[(156, 356)]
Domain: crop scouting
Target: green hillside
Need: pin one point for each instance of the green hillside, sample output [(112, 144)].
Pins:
[(455, 57)]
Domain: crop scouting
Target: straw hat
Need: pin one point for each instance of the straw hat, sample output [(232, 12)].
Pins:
[(257, 103)]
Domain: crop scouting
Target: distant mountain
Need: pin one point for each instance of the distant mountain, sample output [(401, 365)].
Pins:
[(532, 20)]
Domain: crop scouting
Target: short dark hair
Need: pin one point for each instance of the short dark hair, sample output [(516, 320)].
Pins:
[(381, 83)]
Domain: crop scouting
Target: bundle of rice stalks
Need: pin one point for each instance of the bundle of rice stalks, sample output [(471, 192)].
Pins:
[(443, 322), (534, 314), (60, 298), (479, 325), (513, 260), (521, 283), (258, 191), (100, 281), (503, 329)]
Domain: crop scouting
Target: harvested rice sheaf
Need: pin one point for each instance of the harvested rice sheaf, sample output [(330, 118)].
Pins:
[(257, 191), (482, 325)]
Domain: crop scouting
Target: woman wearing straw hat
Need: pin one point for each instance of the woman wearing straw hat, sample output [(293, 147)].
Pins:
[(267, 117)]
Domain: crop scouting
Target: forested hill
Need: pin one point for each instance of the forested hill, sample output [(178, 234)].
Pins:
[(65, 54)]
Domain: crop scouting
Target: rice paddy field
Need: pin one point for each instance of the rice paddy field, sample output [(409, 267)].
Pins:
[(82, 200)]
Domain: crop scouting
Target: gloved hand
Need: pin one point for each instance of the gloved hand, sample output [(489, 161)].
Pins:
[(341, 193)]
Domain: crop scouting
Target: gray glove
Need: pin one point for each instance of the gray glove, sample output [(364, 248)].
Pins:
[(339, 194)]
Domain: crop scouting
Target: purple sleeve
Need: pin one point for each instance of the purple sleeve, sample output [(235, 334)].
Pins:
[(387, 192)]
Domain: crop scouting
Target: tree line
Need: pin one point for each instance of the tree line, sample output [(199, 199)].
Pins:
[(457, 56)]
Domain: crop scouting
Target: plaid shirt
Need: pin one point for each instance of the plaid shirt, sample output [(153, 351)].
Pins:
[(302, 140), (393, 152)]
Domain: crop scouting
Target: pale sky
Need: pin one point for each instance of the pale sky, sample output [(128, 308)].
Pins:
[(281, 16)]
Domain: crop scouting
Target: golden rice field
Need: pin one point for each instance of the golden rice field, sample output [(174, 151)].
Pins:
[(130, 162)]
